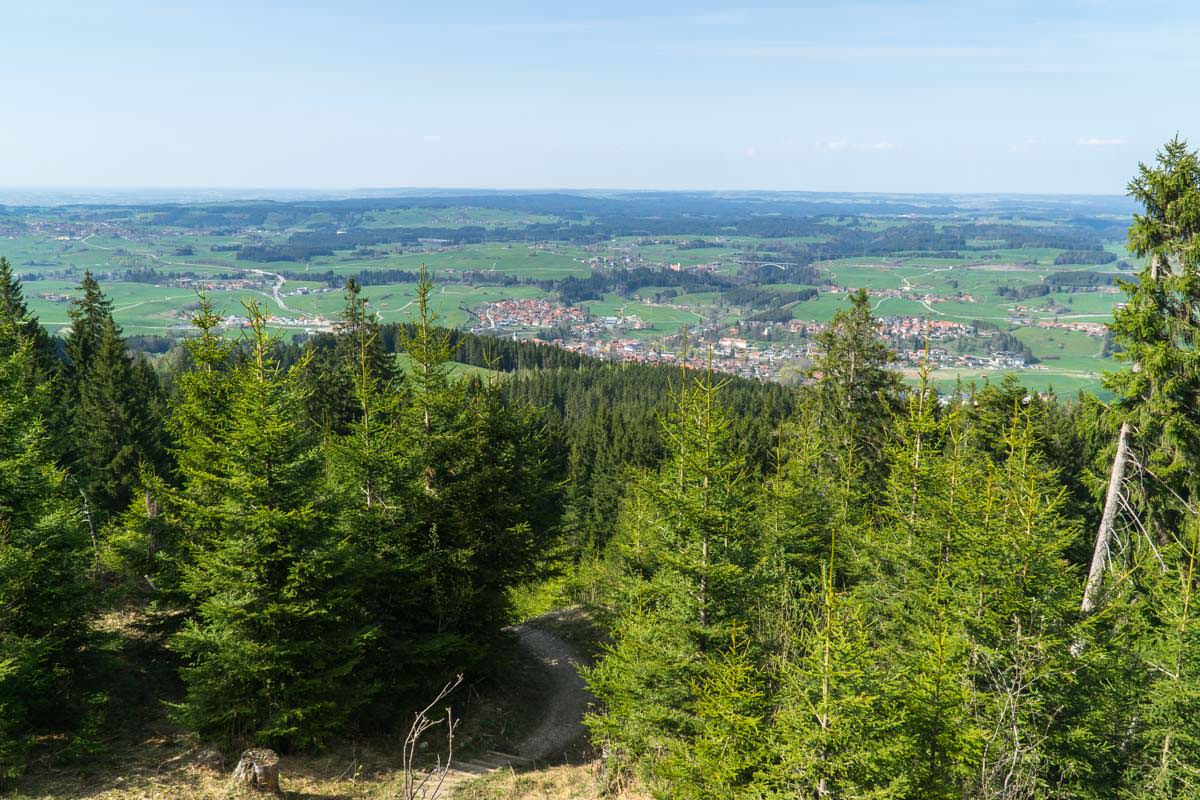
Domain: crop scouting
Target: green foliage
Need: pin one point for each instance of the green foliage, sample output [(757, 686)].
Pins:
[(841, 590), (276, 632), (730, 713), (856, 390), (685, 544), (116, 408), (1160, 393), (46, 596)]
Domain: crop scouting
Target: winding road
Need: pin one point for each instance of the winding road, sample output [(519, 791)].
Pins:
[(275, 290)]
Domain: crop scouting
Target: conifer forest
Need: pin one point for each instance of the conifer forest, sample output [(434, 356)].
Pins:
[(854, 586)]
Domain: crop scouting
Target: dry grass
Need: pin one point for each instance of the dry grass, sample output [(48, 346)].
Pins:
[(365, 775), (175, 770), (149, 758), (571, 782)]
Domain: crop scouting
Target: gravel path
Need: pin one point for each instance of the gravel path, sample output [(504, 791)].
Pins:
[(568, 699)]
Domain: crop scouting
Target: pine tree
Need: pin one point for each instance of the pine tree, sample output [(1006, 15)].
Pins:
[(275, 638), (1160, 395), (834, 730), (332, 374), (830, 734), (1026, 681), (43, 367), (117, 423), (46, 599), (88, 314), (856, 390), (482, 506), (116, 406), (721, 760), (687, 547), (15, 315), (1166, 752), (919, 592)]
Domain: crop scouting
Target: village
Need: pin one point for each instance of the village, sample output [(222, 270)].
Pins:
[(760, 350)]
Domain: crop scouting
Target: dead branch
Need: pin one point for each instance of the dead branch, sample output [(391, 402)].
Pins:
[(429, 785), (1104, 535)]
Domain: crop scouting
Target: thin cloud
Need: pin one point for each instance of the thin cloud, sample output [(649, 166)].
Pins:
[(730, 17), (843, 145), (535, 27), (818, 51), (565, 26)]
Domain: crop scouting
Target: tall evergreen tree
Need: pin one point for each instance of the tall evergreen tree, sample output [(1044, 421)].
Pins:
[(443, 497), (46, 599), (88, 315), (118, 423), (686, 547), (275, 636), (15, 315), (857, 391), (332, 374), (1158, 329), (483, 507)]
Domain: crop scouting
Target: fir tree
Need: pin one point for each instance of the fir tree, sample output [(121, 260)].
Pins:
[(46, 599), (43, 362), (88, 314), (857, 391), (275, 638), (1157, 328), (687, 552), (118, 423)]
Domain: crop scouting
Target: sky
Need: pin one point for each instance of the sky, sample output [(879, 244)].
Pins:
[(1054, 96)]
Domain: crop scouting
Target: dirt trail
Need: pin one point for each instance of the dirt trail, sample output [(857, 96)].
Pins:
[(566, 702), (561, 728)]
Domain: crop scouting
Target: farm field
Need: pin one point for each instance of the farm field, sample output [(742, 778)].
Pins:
[(151, 260)]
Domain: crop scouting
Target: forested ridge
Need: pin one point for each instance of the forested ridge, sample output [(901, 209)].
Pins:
[(847, 589)]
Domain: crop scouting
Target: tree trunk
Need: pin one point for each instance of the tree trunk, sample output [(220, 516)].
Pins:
[(1104, 535), (258, 768)]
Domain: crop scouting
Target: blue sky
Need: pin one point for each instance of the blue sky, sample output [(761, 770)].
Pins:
[(1057, 96)]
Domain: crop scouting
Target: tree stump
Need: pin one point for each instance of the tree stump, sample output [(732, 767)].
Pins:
[(258, 768)]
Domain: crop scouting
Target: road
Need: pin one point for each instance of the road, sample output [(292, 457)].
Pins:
[(275, 294)]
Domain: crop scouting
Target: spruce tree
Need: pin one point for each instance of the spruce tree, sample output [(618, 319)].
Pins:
[(686, 547), (831, 733), (1159, 395), (15, 315), (88, 314), (117, 423), (483, 509), (272, 646), (332, 374), (919, 591), (46, 598), (857, 391), (1165, 758), (115, 408)]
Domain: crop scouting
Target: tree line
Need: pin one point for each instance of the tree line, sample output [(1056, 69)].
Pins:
[(921, 599), (852, 588), (328, 559)]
